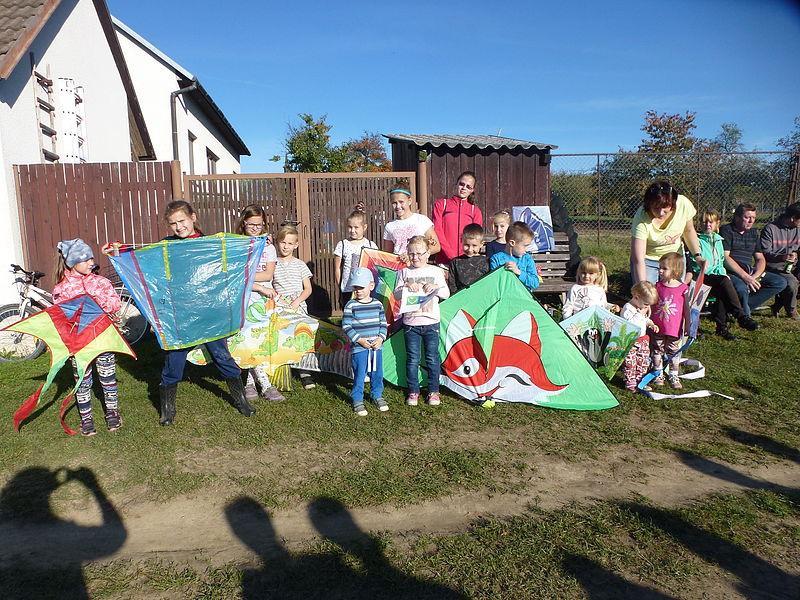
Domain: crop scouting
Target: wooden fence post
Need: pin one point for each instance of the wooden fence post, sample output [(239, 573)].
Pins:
[(177, 179), (304, 217), (422, 186)]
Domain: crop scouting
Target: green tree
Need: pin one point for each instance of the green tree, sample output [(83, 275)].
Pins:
[(308, 147), (729, 139)]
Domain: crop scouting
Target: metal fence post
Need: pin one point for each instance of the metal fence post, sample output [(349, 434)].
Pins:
[(699, 167), (598, 200)]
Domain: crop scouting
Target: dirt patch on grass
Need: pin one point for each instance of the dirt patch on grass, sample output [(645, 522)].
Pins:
[(206, 526)]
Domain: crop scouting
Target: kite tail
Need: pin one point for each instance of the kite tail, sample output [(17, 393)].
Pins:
[(66, 404), (26, 408)]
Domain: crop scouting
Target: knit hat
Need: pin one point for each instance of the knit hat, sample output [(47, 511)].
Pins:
[(74, 251), (361, 277)]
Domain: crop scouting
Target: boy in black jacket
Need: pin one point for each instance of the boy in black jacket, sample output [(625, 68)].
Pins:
[(472, 265)]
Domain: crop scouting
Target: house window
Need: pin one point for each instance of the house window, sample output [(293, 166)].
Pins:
[(211, 159), (192, 138)]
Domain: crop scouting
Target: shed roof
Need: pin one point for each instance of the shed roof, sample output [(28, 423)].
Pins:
[(199, 94), (491, 142)]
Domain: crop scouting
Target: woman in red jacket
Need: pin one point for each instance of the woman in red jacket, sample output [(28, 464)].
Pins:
[(451, 215)]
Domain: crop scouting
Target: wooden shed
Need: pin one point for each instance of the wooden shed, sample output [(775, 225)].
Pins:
[(510, 172)]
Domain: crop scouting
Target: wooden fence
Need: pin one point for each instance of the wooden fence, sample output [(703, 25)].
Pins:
[(97, 202), (318, 202), (124, 202)]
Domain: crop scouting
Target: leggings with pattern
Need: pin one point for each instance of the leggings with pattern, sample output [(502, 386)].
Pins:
[(637, 362), (106, 366)]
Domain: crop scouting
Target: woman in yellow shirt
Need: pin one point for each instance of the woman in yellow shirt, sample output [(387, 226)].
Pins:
[(662, 224)]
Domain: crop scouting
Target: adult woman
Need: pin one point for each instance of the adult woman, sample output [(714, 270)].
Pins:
[(451, 215), (662, 224)]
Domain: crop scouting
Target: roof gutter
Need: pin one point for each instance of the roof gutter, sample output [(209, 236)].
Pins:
[(174, 114)]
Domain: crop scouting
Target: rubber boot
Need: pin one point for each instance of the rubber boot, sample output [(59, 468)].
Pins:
[(236, 388), (167, 394)]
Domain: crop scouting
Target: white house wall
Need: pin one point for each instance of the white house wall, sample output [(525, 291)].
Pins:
[(71, 44), (154, 81)]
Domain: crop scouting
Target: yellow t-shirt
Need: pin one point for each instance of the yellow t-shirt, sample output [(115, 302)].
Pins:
[(667, 238)]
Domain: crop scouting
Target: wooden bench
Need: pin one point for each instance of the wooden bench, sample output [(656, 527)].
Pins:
[(553, 268)]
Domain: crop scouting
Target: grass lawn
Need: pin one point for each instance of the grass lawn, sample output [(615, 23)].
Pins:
[(312, 451)]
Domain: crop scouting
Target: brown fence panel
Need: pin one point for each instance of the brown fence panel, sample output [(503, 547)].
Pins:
[(333, 196), (218, 199), (318, 202), (99, 202)]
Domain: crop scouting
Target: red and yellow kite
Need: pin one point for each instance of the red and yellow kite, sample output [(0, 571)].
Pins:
[(77, 328)]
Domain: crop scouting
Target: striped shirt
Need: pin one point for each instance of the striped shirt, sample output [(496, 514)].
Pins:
[(363, 320)]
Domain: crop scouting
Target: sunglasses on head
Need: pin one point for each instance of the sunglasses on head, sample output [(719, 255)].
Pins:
[(661, 188)]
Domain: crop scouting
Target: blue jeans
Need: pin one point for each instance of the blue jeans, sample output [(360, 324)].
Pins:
[(771, 284), (175, 362), (360, 362), (427, 336)]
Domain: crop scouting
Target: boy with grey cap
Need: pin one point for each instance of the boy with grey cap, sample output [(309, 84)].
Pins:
[(364, 322)]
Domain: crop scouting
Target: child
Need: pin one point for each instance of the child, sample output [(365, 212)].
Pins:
[(451, 215), (637, 311), (364, 322), (406, 225), (74, 277), (514, 258), (252, 222), (590, 290), (292, 279), (500, 222), (669, 316), (347, 252), (470, 266), (182, 221), (421, 327), (716, 277)]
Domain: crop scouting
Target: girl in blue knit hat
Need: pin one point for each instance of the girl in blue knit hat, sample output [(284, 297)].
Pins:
[(75, 277)]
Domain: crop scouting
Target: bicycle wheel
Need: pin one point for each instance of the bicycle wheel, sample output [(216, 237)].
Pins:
[(132, 325), (18, 346)]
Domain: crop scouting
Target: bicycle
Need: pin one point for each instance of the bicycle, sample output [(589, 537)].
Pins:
[(20, 346)]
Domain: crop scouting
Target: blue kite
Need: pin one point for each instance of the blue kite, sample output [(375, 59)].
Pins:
[(195, 290)]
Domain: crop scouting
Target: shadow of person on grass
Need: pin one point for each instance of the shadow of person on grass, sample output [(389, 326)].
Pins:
[(601, 584), (717, 470), (348, 563), (766, 443), (757, 578), (41, 555)]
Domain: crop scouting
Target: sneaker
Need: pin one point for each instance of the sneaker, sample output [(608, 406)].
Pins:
[(775, 311), (631, 388), (87, 427), (748, 323), (360, 410), (307, 382), (250, 393), (659, 380), (725, 334), (113, 420), (272, 394), (794, 316), (675, 382), (381, 404), (433, 399), (412, 399)]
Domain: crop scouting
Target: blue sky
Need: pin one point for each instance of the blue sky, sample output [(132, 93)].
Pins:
[(576, 74)]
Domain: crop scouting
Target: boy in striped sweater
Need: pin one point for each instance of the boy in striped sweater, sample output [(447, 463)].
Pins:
[(364, 322)]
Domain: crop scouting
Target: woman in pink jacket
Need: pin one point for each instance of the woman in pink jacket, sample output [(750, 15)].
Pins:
[(451, 215)]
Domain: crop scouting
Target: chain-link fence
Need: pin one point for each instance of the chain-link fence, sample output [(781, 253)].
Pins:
[(603, 191)]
